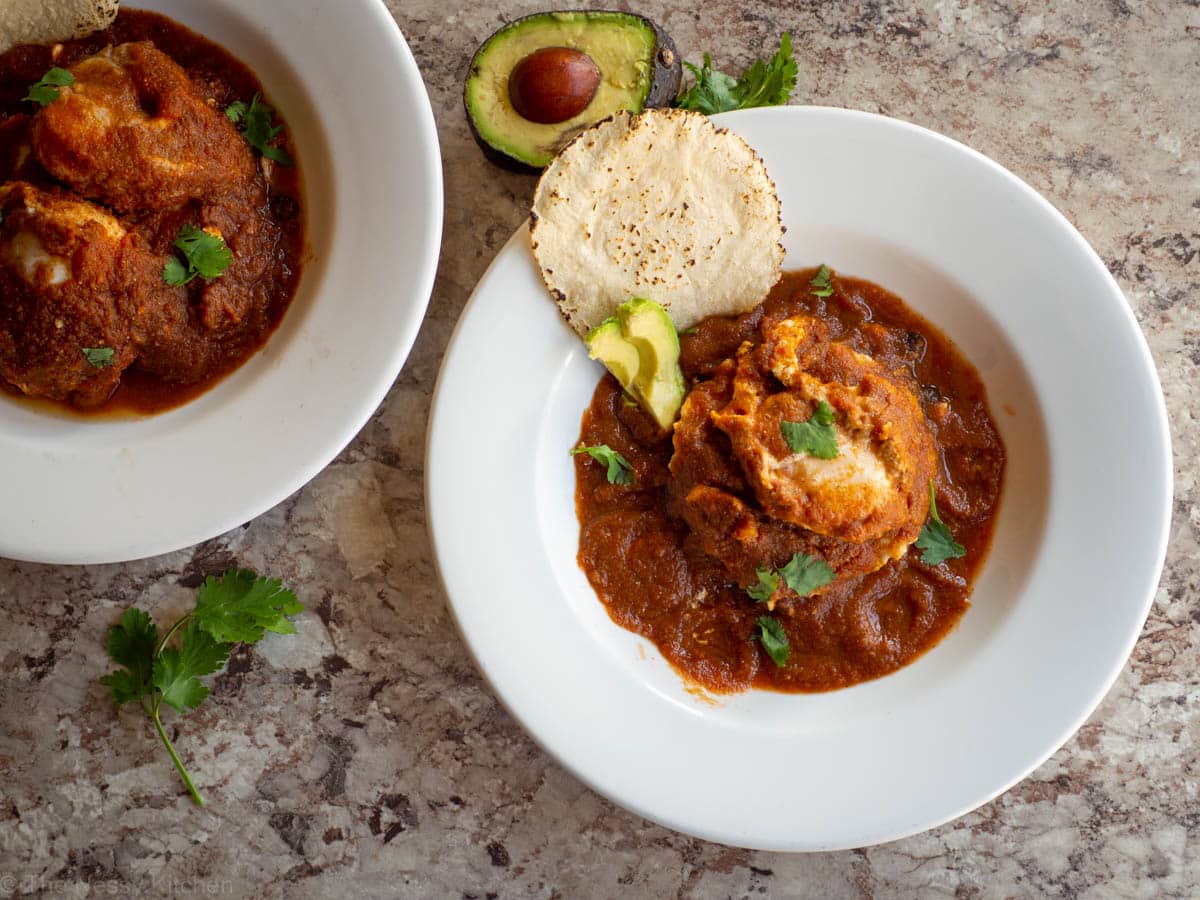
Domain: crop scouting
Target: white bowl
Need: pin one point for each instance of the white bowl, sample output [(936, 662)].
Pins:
[(1078, 549), (81, 490)]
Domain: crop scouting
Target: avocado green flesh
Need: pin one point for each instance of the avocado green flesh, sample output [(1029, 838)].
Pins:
[(659, 383), (606, 344), (640, 346), (621, 45), (662, 397)]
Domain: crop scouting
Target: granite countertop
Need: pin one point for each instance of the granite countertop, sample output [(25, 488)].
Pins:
[(365, 757)]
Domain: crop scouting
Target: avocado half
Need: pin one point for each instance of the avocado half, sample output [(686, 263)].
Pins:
[(639, 68)]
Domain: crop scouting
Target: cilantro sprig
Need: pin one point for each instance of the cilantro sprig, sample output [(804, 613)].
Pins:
[(773, 639), (255, 118), (240, 606), (619, 469), (936, 540), (46, 91), (816, 437), (206, 255), (822, 282), (802, 573), (763, 83)]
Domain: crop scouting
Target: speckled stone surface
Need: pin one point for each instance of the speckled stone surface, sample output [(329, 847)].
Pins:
[(365, 758)]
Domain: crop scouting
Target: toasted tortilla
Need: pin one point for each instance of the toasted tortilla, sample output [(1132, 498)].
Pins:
[(49, 21), (661, 205)]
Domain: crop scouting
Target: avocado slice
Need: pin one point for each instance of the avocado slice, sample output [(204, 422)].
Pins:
[(640, 346), (659, 382), (637, 62), (606, 343)]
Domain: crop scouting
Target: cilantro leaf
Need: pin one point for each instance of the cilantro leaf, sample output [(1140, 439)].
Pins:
[(241, 605), (175, 273), (763, 83), (774, 639), (935, 539), (46, 91), (713, 91), (619, 469), (131, 644), (126, 686), (822, 282), (768, 584), (255, 119), (816, 437), (206, 255), (206, 252), (769, 83), (804, 574), (177, 672), (179, 689), (99, 356)]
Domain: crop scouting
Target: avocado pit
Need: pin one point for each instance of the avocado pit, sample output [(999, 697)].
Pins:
[(553, 84)]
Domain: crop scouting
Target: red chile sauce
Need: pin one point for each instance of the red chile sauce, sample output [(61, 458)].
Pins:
[(652, 583), (221, 79)]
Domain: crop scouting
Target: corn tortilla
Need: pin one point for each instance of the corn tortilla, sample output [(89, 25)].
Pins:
[(661, 205)]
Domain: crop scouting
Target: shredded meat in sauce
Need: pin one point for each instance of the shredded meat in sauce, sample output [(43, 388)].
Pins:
[(723, 495), (95, 188)]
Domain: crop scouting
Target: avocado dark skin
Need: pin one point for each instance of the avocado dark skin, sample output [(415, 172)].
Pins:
[(664, 87), (668, 71)]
